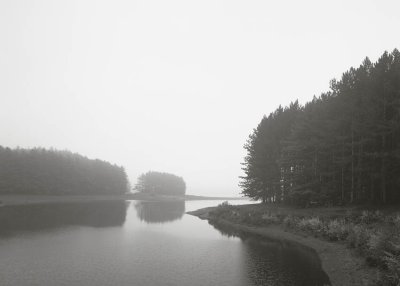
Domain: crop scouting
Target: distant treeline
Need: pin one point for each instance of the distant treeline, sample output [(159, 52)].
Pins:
[(342, 147), (51, 172), (160, 183)]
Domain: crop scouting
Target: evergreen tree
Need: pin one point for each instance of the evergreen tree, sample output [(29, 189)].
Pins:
[(341, 147)]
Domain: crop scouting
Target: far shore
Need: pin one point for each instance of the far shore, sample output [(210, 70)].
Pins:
[(341, 264), (8, 200)]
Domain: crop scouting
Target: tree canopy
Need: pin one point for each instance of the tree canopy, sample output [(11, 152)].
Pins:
[(341, 147), (160, 183), (52, 172)]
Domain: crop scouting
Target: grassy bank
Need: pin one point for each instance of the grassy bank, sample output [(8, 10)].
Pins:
[(357, 246)]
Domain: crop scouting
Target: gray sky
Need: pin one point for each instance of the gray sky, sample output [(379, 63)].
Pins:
[(174, 86)]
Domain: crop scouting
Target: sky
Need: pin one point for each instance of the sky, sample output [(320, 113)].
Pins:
[(173, 86)]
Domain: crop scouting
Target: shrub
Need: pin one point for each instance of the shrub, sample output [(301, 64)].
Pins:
[(224, 204), (250, 218), (290, 221), (377, 245), (358, 237), (270, 218), (313, 224), (392, 275), (369, 217), (337, 230), (396, 220), (222, 209)]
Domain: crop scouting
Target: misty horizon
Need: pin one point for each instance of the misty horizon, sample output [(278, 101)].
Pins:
[(174, 87)]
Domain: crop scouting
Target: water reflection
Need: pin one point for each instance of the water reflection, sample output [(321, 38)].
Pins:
[(187, 251), (37, 217), (160, 212), (269, 260)]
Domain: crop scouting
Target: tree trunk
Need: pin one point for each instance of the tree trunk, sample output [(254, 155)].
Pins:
[(352, 165), (359, 171), (342, 174), (383, 171), (383, 159)]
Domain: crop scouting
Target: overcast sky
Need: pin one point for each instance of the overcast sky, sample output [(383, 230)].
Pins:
[(174, 86)]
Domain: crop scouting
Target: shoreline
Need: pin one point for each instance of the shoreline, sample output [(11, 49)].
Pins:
[(342, 265), (17, 200)]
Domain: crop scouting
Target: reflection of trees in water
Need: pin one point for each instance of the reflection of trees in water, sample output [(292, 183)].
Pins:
[(276, 262), (160, 212), (47, 216)]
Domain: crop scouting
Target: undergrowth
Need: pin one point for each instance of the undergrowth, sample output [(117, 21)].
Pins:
[(371, 233)]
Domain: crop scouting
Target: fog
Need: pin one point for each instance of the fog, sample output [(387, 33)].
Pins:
[(173, 86)]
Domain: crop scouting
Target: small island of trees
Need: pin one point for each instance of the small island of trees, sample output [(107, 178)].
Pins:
[(160, 183)]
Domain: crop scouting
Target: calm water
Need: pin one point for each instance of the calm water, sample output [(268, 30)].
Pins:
[(138, 243)]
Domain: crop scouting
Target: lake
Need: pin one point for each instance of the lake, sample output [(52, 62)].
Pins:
[(141, 243)]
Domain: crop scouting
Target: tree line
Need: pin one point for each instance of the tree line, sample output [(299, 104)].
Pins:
[(52, 172), (160, 183), (341, 147)]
